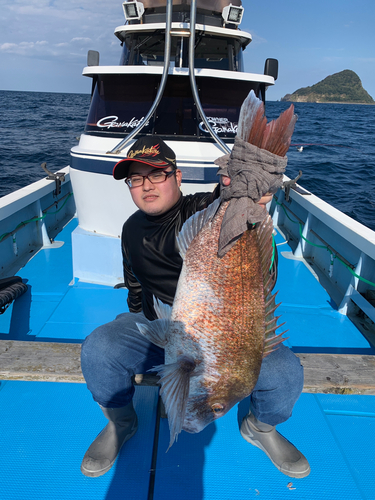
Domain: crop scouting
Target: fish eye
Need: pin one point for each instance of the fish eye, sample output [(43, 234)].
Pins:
[(217, 408)]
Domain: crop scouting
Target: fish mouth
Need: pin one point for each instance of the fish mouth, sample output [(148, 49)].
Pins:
[(193, 426)]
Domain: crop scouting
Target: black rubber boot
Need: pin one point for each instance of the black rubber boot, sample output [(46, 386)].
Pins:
[(283, 454), (102, 453)]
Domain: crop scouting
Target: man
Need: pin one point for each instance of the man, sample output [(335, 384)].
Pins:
[(152, 264)]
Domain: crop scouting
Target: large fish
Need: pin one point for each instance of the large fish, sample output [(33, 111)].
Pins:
[(221, 324)]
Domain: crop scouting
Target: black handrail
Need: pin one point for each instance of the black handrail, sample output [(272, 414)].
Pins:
[(159, 95), (193, 83)]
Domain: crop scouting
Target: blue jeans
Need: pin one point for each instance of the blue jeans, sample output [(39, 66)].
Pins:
[(114, 352)]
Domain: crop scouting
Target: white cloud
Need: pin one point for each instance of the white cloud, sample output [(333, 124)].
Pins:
[(69, 28), (24, 48), (8, 47), (81, 40)]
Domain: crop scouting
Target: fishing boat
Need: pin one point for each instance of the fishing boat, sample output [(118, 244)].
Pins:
[(181, 78)]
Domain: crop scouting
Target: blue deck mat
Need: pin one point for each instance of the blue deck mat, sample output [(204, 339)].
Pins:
[(218, 464), (54, 309), (298, 286), (46, 428), (47, 275), (65, 318), (45, 431), (312, 320), (321, 330), (83, 308)]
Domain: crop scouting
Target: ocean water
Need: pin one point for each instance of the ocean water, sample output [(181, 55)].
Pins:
[(337, 161)]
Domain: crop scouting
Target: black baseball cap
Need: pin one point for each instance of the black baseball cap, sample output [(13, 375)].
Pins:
[(149, 150)]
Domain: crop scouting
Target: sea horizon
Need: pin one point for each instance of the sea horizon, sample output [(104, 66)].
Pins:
[(337, 160)]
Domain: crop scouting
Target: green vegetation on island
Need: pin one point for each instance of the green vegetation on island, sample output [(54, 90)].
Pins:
[(343, 87)]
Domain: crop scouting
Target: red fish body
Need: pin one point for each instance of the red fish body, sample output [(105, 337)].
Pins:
[(221, 324)]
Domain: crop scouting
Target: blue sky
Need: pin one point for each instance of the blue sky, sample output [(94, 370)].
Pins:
[(44, 43)]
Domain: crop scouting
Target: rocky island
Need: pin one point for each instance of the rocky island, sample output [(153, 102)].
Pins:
[(343, 87)]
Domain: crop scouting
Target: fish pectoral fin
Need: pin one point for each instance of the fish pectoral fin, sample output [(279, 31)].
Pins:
[(163, 311), (156, 331), (175, 382)]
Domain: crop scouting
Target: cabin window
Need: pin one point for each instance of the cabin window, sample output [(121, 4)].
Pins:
[(212, 52), (218, 53), (120, 102)]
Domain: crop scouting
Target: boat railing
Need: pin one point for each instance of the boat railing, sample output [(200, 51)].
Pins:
[(339, 250), (30, 218)]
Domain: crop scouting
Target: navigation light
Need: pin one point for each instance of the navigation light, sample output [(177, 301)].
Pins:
[(133, 10), (232, 14)]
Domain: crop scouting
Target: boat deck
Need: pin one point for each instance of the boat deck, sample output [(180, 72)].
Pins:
[(47, 426)]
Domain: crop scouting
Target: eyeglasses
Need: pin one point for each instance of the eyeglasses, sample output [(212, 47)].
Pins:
[(154, 177)]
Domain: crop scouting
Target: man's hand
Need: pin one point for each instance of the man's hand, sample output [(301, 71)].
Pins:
[(225, 181)]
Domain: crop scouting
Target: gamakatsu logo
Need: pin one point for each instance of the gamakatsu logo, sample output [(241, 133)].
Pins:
[(112, 122), (219, 125), (152, 151)]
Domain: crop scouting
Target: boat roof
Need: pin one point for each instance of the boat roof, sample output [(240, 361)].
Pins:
[(47, 421), (212, 5), (179, 29), (158, 70)]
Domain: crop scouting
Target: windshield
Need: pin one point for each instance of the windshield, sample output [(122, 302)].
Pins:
[(212, 52)]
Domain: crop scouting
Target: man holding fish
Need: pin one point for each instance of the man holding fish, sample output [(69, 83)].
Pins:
[(211, 339)]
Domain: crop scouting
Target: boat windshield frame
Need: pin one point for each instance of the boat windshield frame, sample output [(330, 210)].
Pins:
[(220, 51)]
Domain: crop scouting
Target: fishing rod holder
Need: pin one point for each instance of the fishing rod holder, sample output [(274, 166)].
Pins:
[(58, 177), (292, 184)]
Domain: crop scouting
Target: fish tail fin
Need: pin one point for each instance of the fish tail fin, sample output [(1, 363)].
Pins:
[(274, 136), (258, 128), (175, 384), (252, 110), (278, 133)]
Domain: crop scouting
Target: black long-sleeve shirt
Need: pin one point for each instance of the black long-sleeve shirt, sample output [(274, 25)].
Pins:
[(151, 259)]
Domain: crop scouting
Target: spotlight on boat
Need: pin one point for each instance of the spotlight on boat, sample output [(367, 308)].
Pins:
[(133, 10), (232, 14)]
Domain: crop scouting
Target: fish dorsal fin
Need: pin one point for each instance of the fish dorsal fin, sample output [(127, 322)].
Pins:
[(265, 241), (194, 224), (175, 385)]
